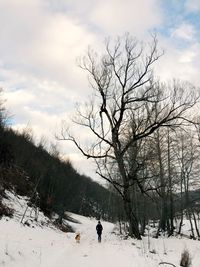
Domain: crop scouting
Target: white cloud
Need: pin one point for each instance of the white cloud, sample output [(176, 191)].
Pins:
[(179, 63), (192, 5), (117, 17), (39, 43), (114, 17), (187, 56), (185, 31)]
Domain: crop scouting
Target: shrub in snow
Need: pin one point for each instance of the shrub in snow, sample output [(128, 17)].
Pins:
[(5, 211), (185, 259), (153, 251)]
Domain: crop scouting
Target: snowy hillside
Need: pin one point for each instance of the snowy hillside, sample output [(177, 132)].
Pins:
[(40, 245)]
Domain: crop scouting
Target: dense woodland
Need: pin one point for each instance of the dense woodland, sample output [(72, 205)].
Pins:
[(51, 183)]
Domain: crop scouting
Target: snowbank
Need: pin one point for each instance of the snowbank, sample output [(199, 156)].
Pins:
[(40, 245)]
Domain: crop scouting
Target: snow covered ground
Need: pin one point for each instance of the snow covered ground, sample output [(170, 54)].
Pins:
[(38, 245)]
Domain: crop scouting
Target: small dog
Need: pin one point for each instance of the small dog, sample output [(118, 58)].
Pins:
[(78, 238)]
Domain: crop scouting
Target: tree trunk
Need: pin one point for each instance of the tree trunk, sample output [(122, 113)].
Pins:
[(191, 225), (171, 208), (133, 221), (180, 224), (163, 219), (181, 208), (196, 226)]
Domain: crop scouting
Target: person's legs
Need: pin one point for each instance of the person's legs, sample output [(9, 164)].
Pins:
[(99, 238)]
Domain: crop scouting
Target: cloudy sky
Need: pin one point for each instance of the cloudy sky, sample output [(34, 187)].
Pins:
[(40, 41)]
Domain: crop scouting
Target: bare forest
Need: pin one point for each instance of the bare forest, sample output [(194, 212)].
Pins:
[(144, 135)]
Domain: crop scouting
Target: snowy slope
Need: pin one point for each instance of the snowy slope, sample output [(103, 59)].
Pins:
[(39, 245)]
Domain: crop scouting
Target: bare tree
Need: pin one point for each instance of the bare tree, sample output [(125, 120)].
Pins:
[(171, 183), (127, 106), (188, 164), (165, 171), (4, 114)]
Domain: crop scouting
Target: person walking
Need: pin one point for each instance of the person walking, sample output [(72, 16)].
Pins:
[(99, 229)]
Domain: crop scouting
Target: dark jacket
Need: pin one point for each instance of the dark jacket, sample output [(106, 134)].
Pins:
[(99, 228)]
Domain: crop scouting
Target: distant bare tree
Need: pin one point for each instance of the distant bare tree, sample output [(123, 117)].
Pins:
[(127, 106), (4, 114), (188, 164), (54, 150)]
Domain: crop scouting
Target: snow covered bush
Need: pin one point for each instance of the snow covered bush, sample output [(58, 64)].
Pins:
[(185, 259)]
